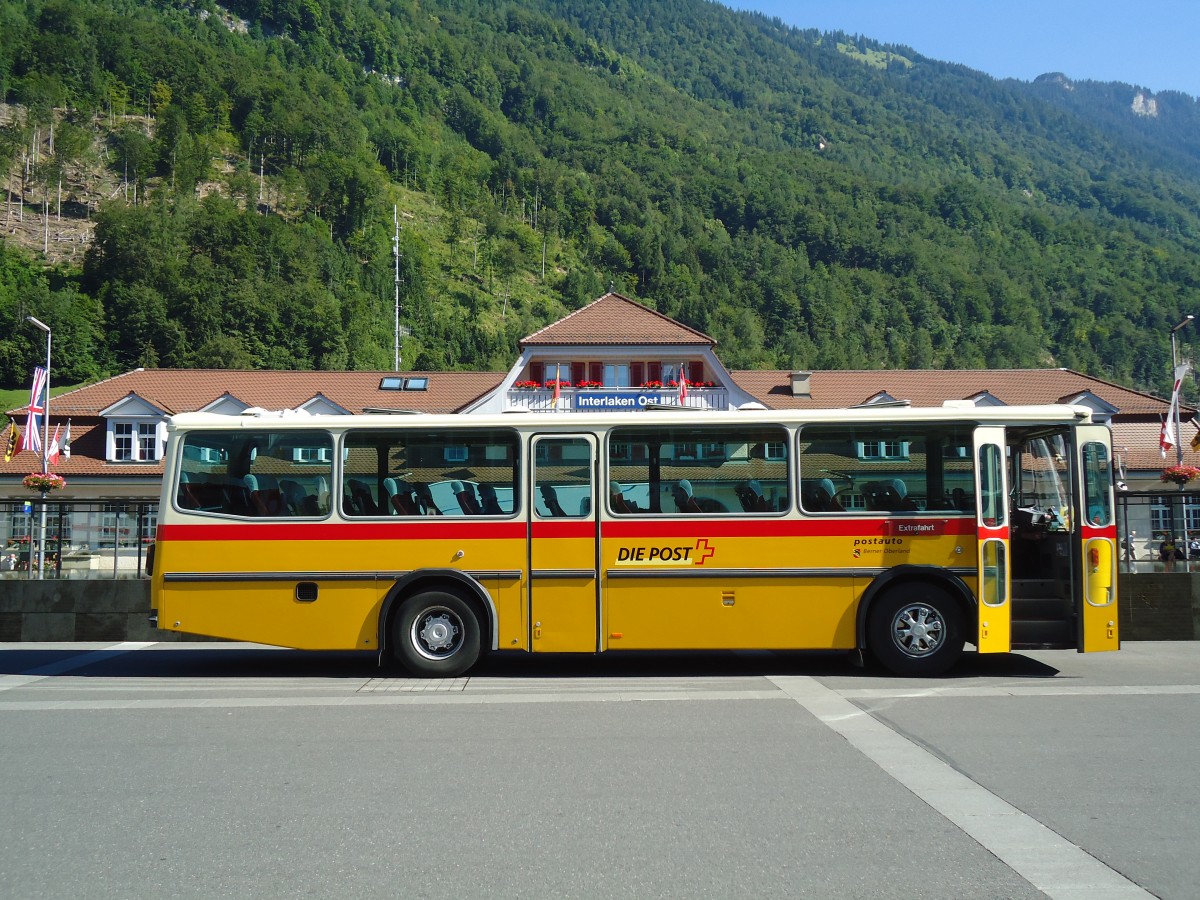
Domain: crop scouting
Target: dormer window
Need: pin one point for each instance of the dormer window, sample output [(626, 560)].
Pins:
[(134, 441)]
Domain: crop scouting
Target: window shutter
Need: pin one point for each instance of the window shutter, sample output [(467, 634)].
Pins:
[(578, 372), (596, 371), (696, 370), (537, 372), (637, 374)]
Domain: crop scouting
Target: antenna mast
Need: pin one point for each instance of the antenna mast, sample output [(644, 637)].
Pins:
[(396, 254)]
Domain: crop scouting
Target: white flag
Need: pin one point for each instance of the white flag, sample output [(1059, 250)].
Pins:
[(1167, 439)]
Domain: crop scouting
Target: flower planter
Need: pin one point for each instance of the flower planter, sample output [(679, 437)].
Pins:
[(44, 482)]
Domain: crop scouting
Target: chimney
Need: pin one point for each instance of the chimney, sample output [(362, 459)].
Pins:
[(802, 385)]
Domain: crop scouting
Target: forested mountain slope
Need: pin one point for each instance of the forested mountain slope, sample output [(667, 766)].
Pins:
[(810, 200)]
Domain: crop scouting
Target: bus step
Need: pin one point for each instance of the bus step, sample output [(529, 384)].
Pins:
[(1035, 587), (1026, 607), (1034, 633)]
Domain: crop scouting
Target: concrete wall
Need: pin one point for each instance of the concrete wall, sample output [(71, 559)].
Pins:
[(1154, 607), (1159, 607), (77, 610)]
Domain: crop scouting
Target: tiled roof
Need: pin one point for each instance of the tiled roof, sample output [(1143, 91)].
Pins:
[(187, 390), (932, 387), (1136, 445), (87, 456), (615, 319), (1135, 428)]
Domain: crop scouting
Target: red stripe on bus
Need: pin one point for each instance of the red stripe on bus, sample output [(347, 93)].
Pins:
[(577, 529), (468, 529), (348, 531)]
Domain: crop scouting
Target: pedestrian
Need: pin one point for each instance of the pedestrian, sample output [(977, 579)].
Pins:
[(1166, 552)]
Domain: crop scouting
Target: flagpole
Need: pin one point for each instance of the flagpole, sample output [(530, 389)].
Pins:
[(1175, 375), (41, 558)]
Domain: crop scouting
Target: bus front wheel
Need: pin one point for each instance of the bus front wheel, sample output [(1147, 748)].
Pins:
[(436, 634), (916, 629)]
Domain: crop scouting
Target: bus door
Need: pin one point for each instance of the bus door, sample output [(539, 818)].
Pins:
[(563, 582), (1095, 592), (991, 524)]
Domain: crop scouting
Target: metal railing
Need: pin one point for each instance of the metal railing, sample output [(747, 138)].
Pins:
[(99, 539), (1157, 531)]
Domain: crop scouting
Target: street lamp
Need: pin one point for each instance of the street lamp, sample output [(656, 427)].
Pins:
[(1174, 368), (41, 558), (1174, 359)]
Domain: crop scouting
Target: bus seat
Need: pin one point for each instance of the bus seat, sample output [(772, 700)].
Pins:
[(186, 497), (400, 498), (424, 498), (391, 489), (750, 496), (465, 495), (235, 498), (294, 497), (827, 485), (489, 501), (550, 498), (616, 498), (881, 497), (322, 495), (585, 506), (361, 499), (814, 497), (264, 501), (684, 501), (901, 489)]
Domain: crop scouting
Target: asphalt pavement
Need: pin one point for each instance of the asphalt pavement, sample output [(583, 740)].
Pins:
[(230, 770)]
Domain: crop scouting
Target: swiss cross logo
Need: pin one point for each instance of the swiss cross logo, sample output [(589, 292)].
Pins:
[(703, 551)]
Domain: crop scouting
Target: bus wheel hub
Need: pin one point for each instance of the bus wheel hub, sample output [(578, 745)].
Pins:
[(918, 629), (438, 633)]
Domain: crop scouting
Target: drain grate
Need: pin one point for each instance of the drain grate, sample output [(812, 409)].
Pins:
[(413, 685)]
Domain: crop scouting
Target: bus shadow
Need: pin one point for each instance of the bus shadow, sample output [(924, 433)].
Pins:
[(230, 660), (734, 663), (224, 661)]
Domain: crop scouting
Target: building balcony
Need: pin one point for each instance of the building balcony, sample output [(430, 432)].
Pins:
[(614, 399)]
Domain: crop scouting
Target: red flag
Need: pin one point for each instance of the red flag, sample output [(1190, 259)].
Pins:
[(557, 391), (54, 448), (682, 384)]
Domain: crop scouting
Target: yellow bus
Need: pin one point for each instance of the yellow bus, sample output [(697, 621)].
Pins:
[(896, 532)]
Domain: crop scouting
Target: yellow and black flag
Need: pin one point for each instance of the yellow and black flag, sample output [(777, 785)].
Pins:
[(10, 441)]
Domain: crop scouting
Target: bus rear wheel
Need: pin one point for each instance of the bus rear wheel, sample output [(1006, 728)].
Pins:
[(436, 634), (916, 629)]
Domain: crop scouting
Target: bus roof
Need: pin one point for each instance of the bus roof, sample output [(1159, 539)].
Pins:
[(1050, 414)]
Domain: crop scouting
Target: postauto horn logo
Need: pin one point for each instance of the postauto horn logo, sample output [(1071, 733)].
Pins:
[(667, 555)]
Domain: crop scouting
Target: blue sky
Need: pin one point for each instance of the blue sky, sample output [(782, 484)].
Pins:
[(1154, 44)]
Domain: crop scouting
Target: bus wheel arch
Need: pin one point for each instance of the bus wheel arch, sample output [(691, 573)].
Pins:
[(436, 624), (916, 622)]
